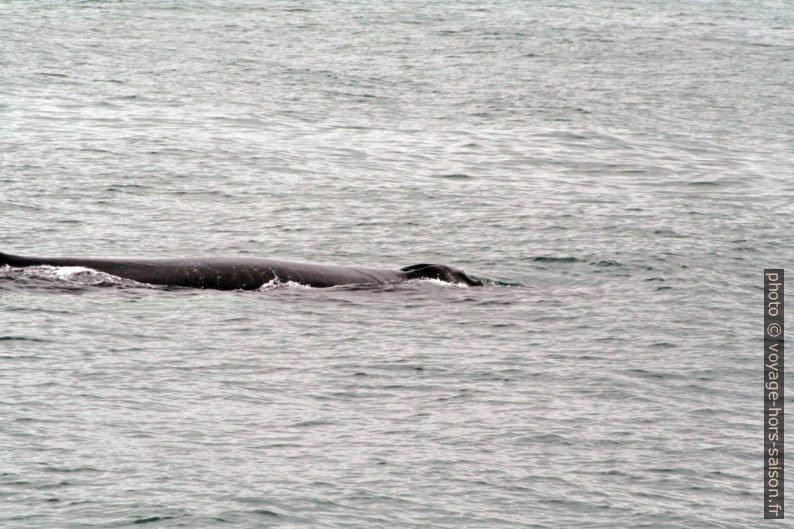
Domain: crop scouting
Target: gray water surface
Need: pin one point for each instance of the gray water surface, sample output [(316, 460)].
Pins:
[(630, 164)]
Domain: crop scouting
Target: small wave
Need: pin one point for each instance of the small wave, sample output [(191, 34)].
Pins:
[(69, 272), (490, 282), (439, 282), (20, 338), (266, 512), (703, 183), (86, 276), (552, 259), (455, 176), (67, 469), (276, 283), (151, 519), (67, 277)]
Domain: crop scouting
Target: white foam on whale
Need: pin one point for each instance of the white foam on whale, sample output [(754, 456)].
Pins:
[(81, 275)]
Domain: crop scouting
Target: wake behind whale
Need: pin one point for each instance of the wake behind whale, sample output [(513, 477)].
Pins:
[(244, 273)]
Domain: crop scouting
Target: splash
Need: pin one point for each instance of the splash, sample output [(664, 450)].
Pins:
[(76, 276), (276, 283)]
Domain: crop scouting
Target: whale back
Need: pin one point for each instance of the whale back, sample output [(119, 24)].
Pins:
[(246, 273), (224, 273)]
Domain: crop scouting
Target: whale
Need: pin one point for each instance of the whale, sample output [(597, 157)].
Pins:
[(244, 273)]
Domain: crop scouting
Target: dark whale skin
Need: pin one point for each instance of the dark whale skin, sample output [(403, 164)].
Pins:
[(243, 273)]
